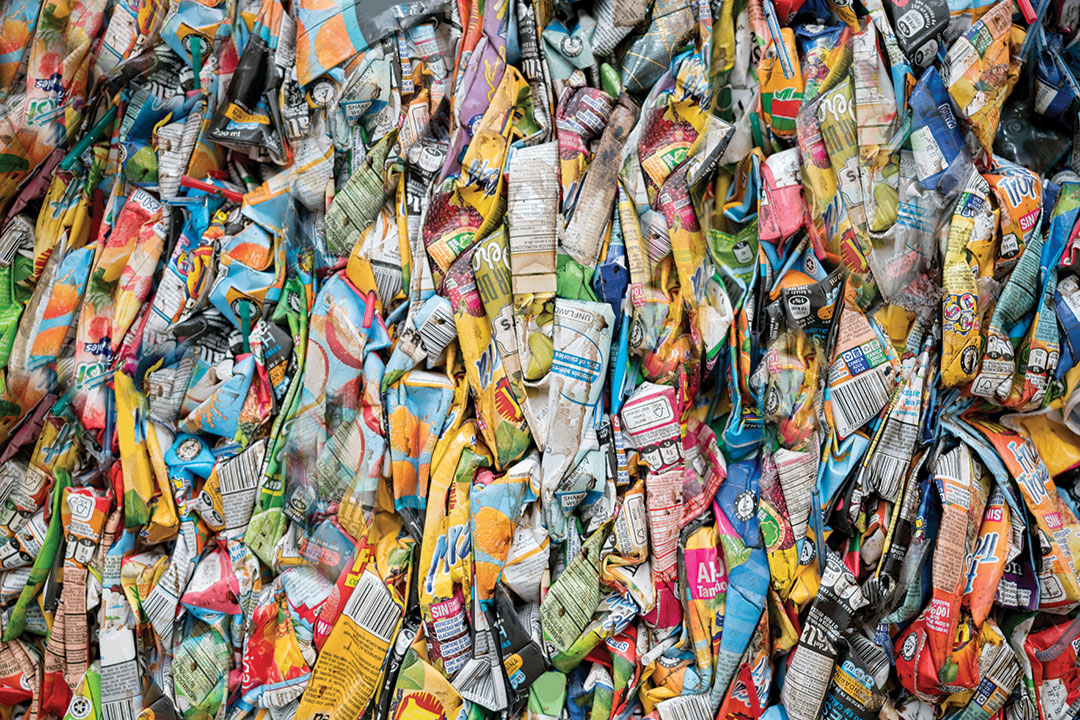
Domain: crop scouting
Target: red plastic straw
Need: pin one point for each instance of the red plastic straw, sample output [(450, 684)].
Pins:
[(194, 184)]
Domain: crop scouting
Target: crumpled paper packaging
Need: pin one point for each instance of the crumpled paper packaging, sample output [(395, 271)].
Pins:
[(539, 360)]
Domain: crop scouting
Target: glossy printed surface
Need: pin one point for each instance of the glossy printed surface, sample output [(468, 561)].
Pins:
[(539, 360)]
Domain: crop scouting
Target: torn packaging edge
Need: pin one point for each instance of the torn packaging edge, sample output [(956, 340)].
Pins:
[(585, 231)]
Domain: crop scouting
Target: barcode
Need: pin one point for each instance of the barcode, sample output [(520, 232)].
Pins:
[(16, 234), (685, 707), (1005, 670), (240, 473), (372, 607), (949, 465), (872, 655), (439, 329), (387, 280), (858, 400), (884, 474), (160, 606), (474, 683), (118, 710), (889, 462)]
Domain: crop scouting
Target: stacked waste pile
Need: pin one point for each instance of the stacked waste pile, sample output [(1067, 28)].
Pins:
[(677, 359)]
